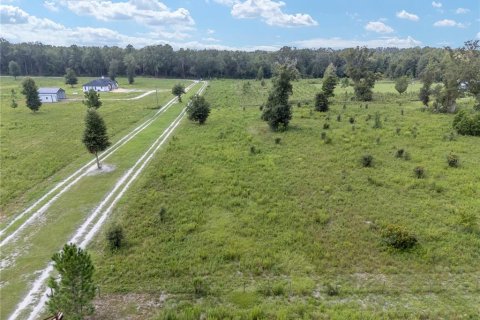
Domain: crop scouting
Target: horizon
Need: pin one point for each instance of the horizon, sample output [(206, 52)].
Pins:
[(274, 24)]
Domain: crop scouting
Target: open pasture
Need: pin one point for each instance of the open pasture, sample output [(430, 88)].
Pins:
[(259, 224)]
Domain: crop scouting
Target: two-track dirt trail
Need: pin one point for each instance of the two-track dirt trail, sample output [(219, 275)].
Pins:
[(74, 211)]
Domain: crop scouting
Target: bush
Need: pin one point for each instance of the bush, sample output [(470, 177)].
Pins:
[(367, 160), (398, 237), (198, 109), (115, 237), (326, 126), (467, 124), (278, 140), (321, 102), (332, 290), (453, 160), (419, 172), (399, 153), (339, 118), (351, 120), (323, 135)]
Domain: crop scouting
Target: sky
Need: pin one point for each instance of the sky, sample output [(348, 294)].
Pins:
[(242, 24)]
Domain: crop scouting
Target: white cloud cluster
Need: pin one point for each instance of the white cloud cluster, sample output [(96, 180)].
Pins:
[(336, 43), (462, 11), (408, 16), (378, 26), (436, 4), (448, 23), (268, 11)]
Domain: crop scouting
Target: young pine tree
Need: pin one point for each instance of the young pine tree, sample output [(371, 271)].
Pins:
[(321, 102), (92, 99), (74, 291), (70, 77), (198, 109), (278, 111), (95, 136), (30, 91)]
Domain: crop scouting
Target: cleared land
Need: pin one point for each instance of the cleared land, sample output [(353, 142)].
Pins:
[(257, 229), (32, 248)]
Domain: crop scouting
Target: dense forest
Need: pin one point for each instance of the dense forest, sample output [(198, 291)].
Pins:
[(162, 61)]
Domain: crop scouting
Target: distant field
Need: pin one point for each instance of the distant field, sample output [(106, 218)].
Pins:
[(256, 229), (35, 147)]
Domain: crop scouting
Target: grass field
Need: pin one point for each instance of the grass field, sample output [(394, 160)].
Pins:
[(288, 225), (38, 149)]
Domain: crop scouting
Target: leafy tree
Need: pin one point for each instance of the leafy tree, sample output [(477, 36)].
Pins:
[(466, 124), (113, 69), (277, 111), (30, 91), (321, 102), (131, 65), (331, 71), (198, 109), (401, 84), (92, 99), (95, 136), (71, 77), (13, 97), (359, 69), (13, 69), (178, 90), (74, 291)]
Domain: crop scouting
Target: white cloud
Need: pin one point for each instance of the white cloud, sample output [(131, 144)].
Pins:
[(51, 5), (436, 4), (478, 35), (210, 31), (462, 11), (269, 11), (12, 15), (210, 39), (378, 26), (406, 15), (383, 42), (448, 23)]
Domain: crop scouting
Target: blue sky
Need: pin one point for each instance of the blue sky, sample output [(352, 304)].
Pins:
[(242, 24)]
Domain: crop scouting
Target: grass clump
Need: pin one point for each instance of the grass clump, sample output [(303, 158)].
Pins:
[(398, 237), (367, 160), (453, 160), (419, 172), (115, 237)]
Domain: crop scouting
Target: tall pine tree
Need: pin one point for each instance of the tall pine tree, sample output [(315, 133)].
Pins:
[(95, 136), (30, 91)]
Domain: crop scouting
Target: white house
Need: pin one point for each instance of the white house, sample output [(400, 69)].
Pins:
[(51, 94), (100, 85)]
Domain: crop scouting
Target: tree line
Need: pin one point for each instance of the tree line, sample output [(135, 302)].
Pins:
[(37, 59)]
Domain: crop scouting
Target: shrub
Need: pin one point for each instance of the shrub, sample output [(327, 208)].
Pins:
[(399, 153), (467, 124), (115, 237), (419, 172), (398, 237), (321, 102), (253, 150), (323, 135), (468, 221), (367, 160), (278, 140), (351, 120), (339, 118), (162, 214), (198, 109), (326, 126), (453, 160)]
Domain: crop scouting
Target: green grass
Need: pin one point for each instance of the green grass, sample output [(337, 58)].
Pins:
[(40, 148), (266, 234), (34, 247)]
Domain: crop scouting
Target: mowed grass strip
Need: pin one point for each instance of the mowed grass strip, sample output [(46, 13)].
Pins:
[(40, 149), (290, 223), (36, 244)]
